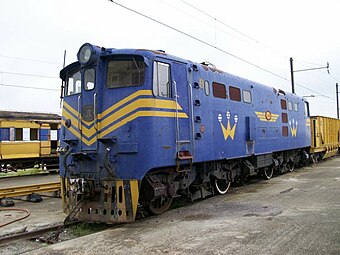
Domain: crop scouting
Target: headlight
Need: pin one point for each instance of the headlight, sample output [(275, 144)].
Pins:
[(87, 54)]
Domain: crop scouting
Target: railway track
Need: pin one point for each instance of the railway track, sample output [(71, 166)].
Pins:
[(25, 190), (49, 231), (45, 234)]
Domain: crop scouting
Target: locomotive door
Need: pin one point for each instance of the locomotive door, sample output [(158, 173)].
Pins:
[(88, 108), (183, 96)]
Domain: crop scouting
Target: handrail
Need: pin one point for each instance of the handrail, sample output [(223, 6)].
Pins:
[(79, 114), (177, 119), (192, 121), (95, 110)]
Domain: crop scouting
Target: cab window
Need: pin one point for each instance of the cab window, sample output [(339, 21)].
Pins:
[(73, 84), (125, 71), (161, 79), (89, 79)]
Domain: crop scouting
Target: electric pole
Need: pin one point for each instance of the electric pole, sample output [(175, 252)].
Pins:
[(292, 74), (292, 71), (337, 100)]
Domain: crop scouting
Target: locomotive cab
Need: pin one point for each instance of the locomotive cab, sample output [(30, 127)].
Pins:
[(113, 101), (88, 149)]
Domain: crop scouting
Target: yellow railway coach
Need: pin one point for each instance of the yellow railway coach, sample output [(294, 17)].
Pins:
[(325, 136), (27, 139)]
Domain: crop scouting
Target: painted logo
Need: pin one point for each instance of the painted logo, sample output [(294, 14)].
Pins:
[(87, 113), (228, 131), (293, 125), (267, 116)]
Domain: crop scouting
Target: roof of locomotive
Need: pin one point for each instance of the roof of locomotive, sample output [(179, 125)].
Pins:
[(204, 66), (30, 116), (150, 54)]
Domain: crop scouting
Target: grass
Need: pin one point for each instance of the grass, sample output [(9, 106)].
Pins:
[(21, 172), (84, 229)]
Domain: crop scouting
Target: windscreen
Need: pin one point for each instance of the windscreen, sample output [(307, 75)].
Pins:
[(125, 71)]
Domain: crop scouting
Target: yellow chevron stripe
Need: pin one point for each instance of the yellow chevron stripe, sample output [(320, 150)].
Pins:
[(66, 115), (125, 121), (139, 103), (77, 134), (115, 106), (69, 108), (120, 103), (143, 114), (73, 131), (87, 132)]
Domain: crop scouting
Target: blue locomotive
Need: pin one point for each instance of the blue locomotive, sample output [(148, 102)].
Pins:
[(141, 127)]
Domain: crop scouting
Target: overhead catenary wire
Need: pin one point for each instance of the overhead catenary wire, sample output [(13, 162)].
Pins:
[(314, 91), (311, 90), (31, 75), (335, 79), (244, 35), (307, 64), (251, 38), (199, 40), (228, 26), (200, 20), (213, 46), (27, 87), (32, 60)]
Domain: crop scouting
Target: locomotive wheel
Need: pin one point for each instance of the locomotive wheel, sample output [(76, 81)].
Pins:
[(268, 172), (222, 186), (159, 205), (290, 166)]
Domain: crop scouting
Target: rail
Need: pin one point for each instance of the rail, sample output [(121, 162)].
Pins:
[(35, 233), (29, 189)]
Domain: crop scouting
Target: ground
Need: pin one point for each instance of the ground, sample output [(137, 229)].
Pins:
[(295, 213)]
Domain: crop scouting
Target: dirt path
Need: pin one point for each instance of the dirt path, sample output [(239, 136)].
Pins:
[(296, 213)]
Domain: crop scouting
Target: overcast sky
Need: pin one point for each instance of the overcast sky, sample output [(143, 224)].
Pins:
[(34, 35)]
